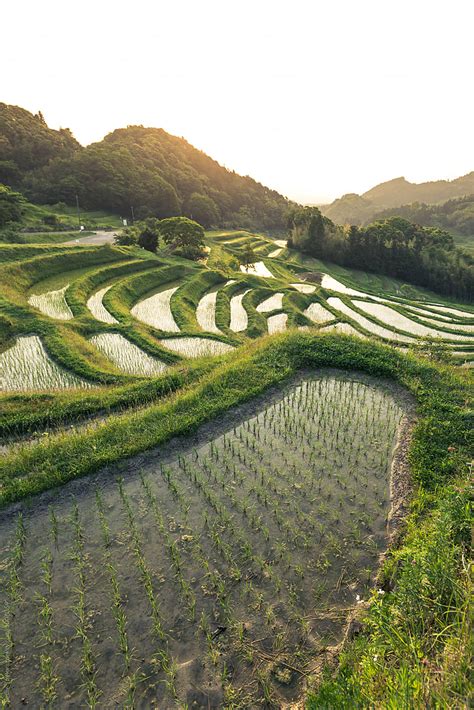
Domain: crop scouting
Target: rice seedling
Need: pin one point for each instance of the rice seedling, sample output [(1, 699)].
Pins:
[(88, 663), (126, 355), (52, 304), (13, 594), (27, 366)]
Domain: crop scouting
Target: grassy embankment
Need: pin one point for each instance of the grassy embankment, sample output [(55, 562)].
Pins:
[(412, 651)]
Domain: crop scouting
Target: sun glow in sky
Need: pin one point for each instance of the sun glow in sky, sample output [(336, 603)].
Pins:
[(313, 98)]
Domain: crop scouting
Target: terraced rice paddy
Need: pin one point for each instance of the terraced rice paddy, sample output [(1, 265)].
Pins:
[(454, 311), (271, 303), (97, 308), (277, 323), (396, 320), (156, 311), (257, 269), (238, 315), (206, 312), (27, 366), (215, 570), (344, 328), (317, 313), (126, 355), (304, 288), (276, 252), (367, 324), (52, 304), (195, 346)]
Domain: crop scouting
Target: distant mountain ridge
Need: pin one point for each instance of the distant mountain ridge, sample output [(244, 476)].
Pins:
[(142, 170), (361, 209)]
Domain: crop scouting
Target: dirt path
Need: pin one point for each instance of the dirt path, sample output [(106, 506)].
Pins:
[(97, 238)]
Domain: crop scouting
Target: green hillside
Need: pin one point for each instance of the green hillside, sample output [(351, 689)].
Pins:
[(146, 170)]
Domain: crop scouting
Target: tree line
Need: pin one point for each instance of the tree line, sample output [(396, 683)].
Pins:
[(424, 256)]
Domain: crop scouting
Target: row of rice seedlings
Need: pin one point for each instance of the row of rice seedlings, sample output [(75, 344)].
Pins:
[(27, 366), (225, 524), (48, 678), (96, 306), (52, 304), (172, 548), (277, 323), (257, 269), (367, 324), (196, 347), (126, 355), (396, 320), (317, 313), (166, 661), (116, 597), (238, 315), (272, 303), (83, 629), (156, 311), (250, 518), (210, 573), (206, 312), (13, 597)]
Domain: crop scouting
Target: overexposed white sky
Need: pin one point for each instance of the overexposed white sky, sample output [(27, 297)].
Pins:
[(314, 98)]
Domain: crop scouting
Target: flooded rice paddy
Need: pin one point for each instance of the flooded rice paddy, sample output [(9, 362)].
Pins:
[(211, 572), (126, 355)]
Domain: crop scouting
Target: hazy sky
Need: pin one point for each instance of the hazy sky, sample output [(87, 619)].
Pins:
[(313, 98)]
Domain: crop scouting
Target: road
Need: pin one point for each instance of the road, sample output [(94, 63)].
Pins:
[(94, 239)]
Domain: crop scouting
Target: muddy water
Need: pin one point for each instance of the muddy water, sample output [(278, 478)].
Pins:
[(258, 533)]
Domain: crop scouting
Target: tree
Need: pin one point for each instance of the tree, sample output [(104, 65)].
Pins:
[(203, 209), (127, 238), (148, 239), (12, 205), (248, 256), (183, 235)]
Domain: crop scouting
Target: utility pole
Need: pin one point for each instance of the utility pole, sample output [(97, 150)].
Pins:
[(78, 213), (133, 214)]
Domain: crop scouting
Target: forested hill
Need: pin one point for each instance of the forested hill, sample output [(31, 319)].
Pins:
[(146, 169), (361, 209)]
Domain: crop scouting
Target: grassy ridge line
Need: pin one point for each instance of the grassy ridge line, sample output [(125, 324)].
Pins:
[(81, 289), (123, 296), (25, 413), (20, 252), (185, 300), (241, 376), (17, 278)]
